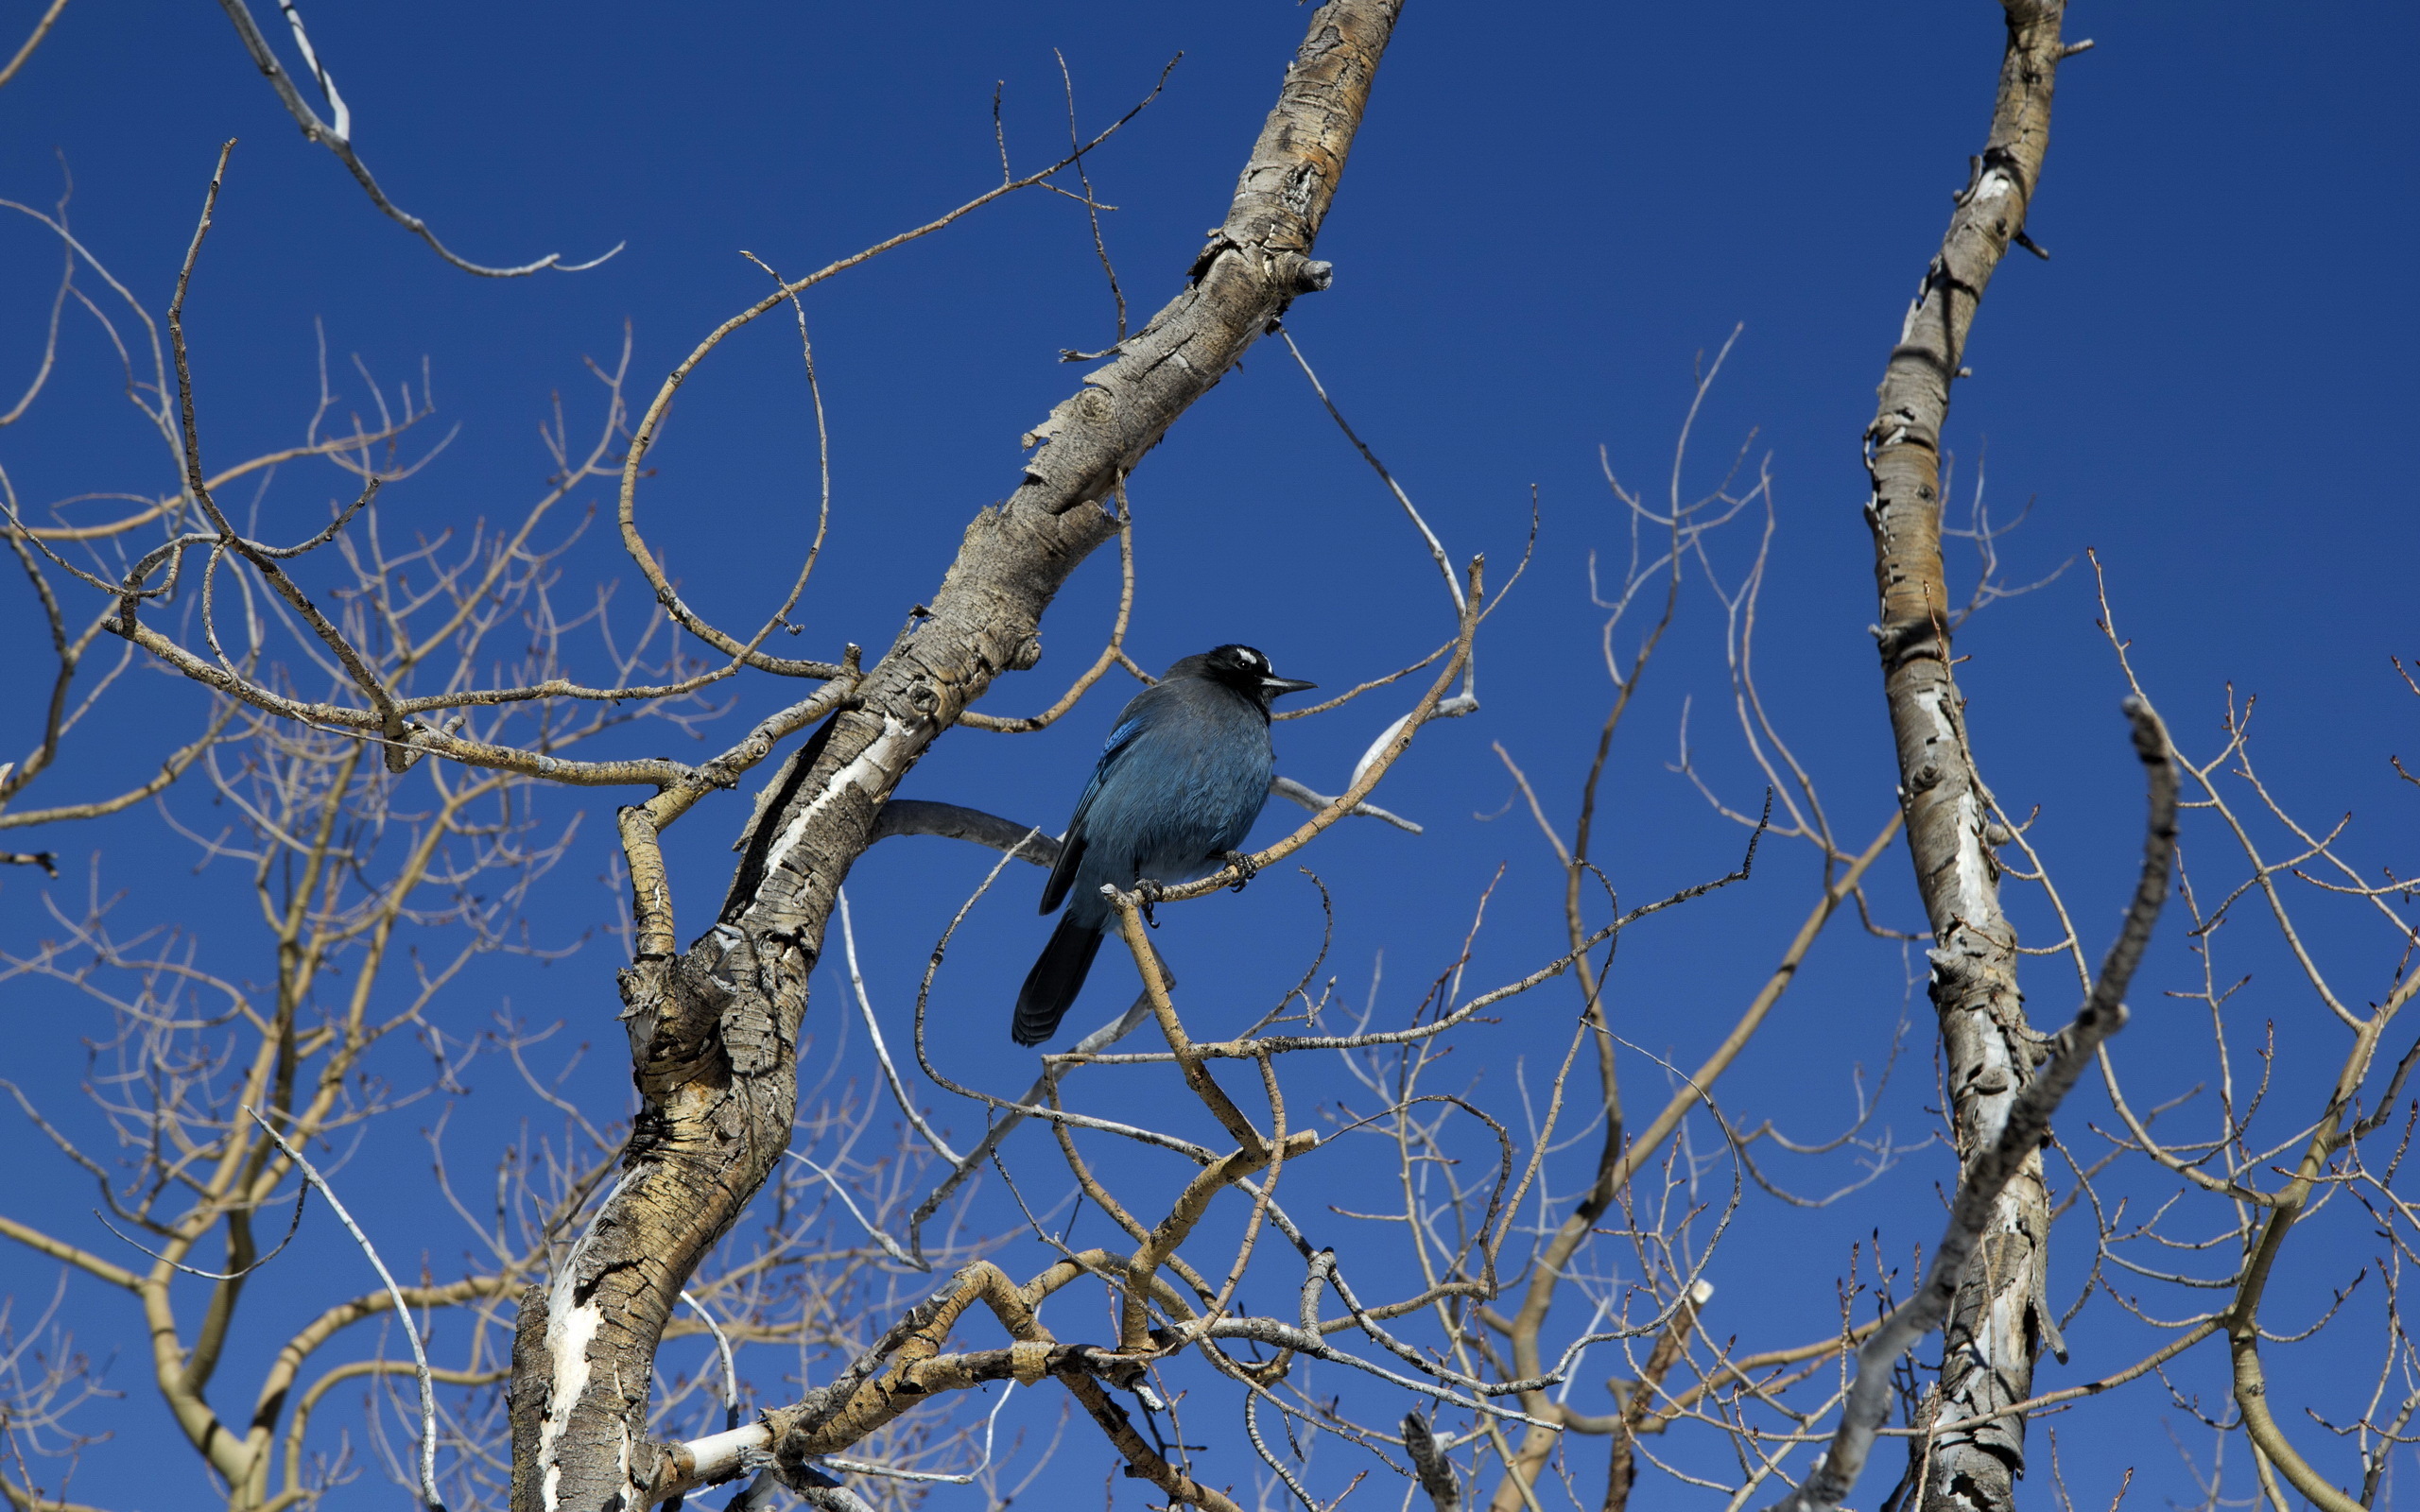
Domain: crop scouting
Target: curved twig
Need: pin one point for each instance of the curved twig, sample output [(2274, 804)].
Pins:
[(337, 138), (403, 1314)]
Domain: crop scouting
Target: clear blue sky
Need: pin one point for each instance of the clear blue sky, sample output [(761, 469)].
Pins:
[(1550, 212)]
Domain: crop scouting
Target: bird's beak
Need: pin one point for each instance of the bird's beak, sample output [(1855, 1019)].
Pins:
[(1273, 686)]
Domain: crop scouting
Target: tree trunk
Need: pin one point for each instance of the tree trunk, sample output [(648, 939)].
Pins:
[(1998, 1319), (713, 1030)]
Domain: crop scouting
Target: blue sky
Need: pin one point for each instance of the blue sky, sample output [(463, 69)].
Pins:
[(1551, 213)]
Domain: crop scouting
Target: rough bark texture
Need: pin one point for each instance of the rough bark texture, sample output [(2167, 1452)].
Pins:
[(1997, 1322), (713, 1030)]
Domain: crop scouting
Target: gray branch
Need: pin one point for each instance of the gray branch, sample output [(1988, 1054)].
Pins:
[(909, 815), (1294, 792), (952, 821)]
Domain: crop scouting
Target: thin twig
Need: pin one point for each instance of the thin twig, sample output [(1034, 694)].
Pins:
[(403, 1314)]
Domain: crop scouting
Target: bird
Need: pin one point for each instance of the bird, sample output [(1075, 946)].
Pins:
[(1183, 776)]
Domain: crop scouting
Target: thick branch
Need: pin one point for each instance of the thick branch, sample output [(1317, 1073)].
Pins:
[(713, 1032), (1988, 1049)]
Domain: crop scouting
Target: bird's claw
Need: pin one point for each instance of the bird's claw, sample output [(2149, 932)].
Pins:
[(1246, 867), (1150, 892)]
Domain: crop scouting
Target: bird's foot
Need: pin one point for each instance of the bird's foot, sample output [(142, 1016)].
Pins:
[(1246, 867), (1151, 893)]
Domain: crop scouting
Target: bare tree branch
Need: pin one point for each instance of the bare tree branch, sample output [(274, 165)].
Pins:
[(33, 39), (1988, 1355), (337, 137)]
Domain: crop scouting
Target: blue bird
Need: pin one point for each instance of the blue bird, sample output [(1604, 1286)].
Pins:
[(1180, 782)]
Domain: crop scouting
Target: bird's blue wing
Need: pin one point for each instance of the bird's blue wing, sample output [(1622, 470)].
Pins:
[(1071, 849)]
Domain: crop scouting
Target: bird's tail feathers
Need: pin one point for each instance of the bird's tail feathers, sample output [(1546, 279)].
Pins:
[(1051, 986)]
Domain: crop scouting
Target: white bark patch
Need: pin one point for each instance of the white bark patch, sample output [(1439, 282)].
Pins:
[(1377, 749), (1973, 878), (875, 758), (1974, 899), (568, 1332), (719, 1456)]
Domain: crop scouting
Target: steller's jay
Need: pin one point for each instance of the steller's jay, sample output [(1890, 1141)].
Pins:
[(1181, 780)]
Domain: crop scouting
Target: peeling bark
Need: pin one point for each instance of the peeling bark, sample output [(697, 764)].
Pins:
[(713, 1030), (1997, 1321)]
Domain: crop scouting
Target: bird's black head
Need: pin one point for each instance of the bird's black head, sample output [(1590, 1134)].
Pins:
[(1242, 668)]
